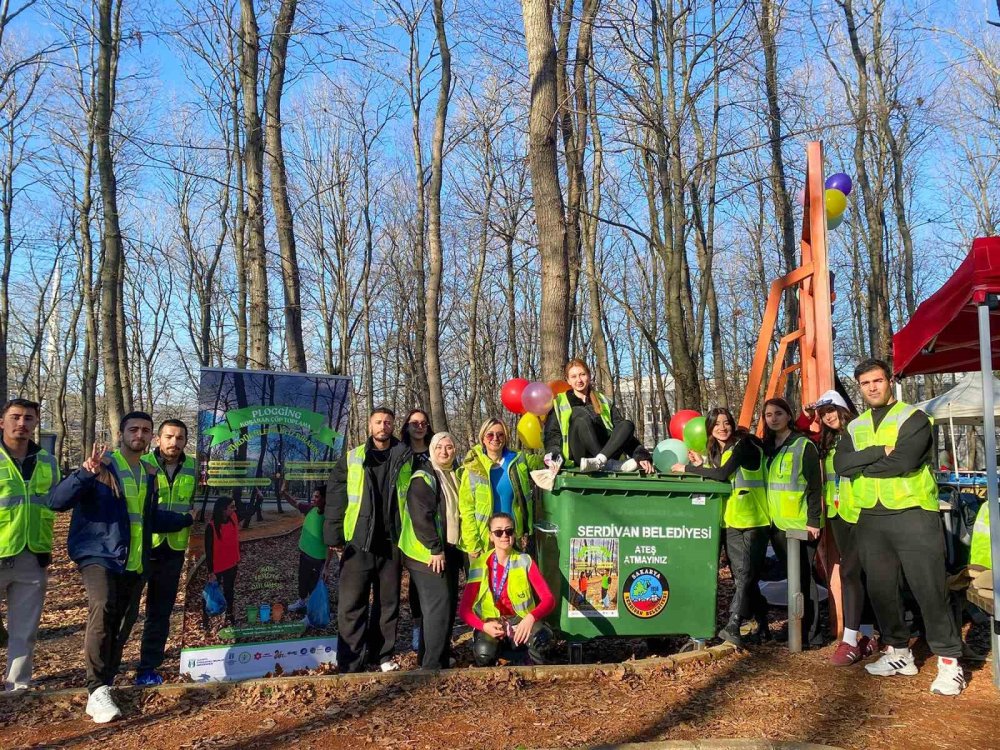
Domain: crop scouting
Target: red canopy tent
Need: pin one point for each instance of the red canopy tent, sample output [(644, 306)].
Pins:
[(943, 335), (952, 332)]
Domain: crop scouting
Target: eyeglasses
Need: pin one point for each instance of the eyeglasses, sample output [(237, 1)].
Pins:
[(495, 436), (500, 533), (418, 424)]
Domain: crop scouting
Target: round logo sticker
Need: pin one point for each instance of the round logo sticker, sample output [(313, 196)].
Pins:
[(645, 592)]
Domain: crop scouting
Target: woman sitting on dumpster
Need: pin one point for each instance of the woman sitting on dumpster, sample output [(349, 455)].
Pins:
[(584, 429), (737, 456), (795, 502), (834, 415), (506, 599), (495, 479)]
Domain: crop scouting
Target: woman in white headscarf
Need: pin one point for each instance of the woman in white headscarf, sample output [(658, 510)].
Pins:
[(444, 460)]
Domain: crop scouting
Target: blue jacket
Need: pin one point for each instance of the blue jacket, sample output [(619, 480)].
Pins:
[(99, 531)]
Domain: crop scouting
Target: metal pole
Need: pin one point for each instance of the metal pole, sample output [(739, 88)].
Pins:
[(990, 439), (796, 606)]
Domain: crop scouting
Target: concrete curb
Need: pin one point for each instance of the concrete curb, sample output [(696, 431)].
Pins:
[(567, 672)]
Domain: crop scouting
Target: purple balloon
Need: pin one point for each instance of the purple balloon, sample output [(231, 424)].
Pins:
[(839, 181)]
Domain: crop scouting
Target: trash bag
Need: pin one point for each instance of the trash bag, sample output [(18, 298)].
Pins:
[(318, 606), (215, 601)]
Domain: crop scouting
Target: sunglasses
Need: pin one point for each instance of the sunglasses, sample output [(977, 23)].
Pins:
[(495, 436), (500, 533), (418, 424)]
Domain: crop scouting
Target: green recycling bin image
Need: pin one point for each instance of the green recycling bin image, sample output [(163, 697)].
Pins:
[(630, 555)]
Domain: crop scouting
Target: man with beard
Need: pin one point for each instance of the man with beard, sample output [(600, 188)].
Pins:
[(362, 523), (115, 513), (175, 478)]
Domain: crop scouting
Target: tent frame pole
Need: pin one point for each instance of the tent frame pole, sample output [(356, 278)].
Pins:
[(990, 440)]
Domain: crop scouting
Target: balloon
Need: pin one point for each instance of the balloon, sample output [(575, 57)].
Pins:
[(529, 429), (536, 398), (678, 421), (835, 222), (510, 394), (559, 386), (839, 181), (800, 196), (836, 202), (696, 435), (669, 452)]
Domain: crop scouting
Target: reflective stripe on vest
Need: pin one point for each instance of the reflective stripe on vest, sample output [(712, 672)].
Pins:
[(355, 489), (409, 544), (786, 485), (518, 587), (564, 411), (746, 507), (311, 538), (837, 492), (176, 496), (135, 499), (25, 517), (981, 553), (918, 489)]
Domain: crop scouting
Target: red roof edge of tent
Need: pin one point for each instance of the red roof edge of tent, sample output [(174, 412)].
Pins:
[(943, 334)]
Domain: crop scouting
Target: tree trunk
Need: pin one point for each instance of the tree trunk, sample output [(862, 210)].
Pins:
[(253, 157), (432, 299), (283, 219), (548, 201)]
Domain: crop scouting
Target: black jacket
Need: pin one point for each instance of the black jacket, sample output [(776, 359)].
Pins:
[(386, 518)]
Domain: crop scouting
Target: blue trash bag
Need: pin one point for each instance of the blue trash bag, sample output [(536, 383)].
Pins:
[(318, 606), (215, 601)]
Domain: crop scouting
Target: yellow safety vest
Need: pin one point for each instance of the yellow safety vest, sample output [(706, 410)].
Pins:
[(746, 507), (176, 496), (786, 485), (564, 411), (518, 587), (837, 492), (981, 553), (475, 499), (25, 518), (915, 490), (356, 487), (135, 500), (409, 545)]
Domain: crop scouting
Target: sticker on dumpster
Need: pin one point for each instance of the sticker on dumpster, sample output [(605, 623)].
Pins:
[(645, 592), (593, 577)]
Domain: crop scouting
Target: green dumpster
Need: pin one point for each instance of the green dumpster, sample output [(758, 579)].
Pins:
[(629, 555)]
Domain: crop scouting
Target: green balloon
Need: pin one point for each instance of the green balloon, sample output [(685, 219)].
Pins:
[(696, 435), (667, 453)]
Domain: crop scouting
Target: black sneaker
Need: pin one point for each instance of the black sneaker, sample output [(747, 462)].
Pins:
[(731, 634)]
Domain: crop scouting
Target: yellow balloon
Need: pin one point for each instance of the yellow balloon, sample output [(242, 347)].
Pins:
[(529, 429), (836, 202)]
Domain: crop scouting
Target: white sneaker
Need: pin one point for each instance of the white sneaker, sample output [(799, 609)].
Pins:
[(893, 661), (950, 678), (588, 465), (390, 666), (631, 466), (101, 707)]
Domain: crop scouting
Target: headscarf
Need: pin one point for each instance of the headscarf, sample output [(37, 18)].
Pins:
[(447, 479)]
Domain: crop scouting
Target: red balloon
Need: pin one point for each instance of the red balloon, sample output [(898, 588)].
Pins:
[(510, 394), (678, 421), (559, 386)]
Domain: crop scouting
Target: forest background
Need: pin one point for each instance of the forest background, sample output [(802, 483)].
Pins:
[(409, 192)]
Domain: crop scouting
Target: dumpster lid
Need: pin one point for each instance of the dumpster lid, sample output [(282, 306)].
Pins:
[(679, 484)]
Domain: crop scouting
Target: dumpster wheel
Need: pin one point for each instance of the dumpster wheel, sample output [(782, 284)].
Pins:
[(693, 644), (575, 649)]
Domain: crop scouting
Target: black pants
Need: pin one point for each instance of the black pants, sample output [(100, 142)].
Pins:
[(810, 592), (363, 630), (413, 597), (112, 609), (852, 587), (910, 543), (486, 648), (164, 575), (588, 436), (436, 602), (310, 570), (747, 550)]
